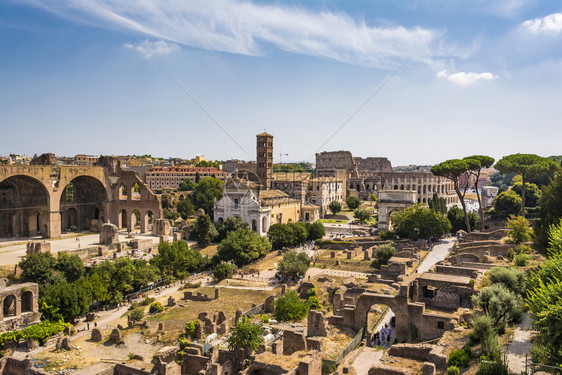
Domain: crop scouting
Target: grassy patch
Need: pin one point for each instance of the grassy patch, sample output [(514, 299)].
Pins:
[(230, 300)]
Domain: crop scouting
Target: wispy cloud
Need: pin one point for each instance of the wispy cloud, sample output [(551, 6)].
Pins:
[(252, 29), (466, 78), (149, 48), (549, 24)]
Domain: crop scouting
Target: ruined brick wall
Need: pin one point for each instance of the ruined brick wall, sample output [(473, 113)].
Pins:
[(121, 369)]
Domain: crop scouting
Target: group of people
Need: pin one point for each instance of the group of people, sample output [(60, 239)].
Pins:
[(383, 336)]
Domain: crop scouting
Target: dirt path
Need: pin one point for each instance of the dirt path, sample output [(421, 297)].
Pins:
[(520, 346)]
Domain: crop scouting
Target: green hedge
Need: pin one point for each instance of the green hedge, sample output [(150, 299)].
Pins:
[(40, 332)]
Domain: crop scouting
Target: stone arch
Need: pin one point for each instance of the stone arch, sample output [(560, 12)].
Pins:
[(9, 305), (424, 189), (358, 187), (83, 199), (221, 220), (395, 187), (123, 220), (394, 303), (368, 187), (419, 200), (423, 200), (71, 218), (147, 222), (26, 301), (136, 219), (254, 225), (136, 192), (24, 207), (401, 187), (123, 192)]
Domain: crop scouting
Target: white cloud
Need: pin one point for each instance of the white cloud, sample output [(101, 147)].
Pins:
[(466, 78), (252, 29), (549, 24), (149, 48)]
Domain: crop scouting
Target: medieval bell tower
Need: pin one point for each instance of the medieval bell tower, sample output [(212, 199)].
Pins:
[(264, 159)]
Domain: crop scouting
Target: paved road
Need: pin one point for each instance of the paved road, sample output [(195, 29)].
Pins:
[(11, 252), (521, 345)]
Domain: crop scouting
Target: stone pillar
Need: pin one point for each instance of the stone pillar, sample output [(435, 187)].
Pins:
[(144, 223), (217, 293), (53, 228), (17, 303)]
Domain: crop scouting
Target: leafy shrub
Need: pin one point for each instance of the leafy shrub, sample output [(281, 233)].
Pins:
[(382, 255), (522, 248), (192, 327), (453, 370), (156, 307), (223, 271), (147, 301), (134, 305), (314, 303), (511, 278), (483, 326), (40, 332), (290, 307), (519, 230), (522, 259), (265, 319), (459, 358), (510, 254), (136, 314), (493, 368)]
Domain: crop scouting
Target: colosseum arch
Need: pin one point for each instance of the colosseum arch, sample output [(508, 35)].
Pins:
[(83, 199), (24, 207)]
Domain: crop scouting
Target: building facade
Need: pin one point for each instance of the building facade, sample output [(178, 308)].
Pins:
[(160, 177), (365, 176)]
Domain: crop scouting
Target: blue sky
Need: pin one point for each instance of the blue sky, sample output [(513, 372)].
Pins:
[(102, 76)]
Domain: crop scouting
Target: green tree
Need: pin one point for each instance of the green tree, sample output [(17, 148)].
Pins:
[(507, 203), (511, 278), (178, 260), (527, 166), (231, 224), (70, 266), (519, 230), (452, 170), (456, 218), (293, 264), (243, 246), (362, 214), (353, 202), (287, 235), (39, 268), (223, 271), (186, 185), (197, 177), (137, 314), (290, 307), (335, 207), (438, 204), (202, 230), (245, 335), (485, 162), (500, 304), (550, 211), (166, 201), (155, 307), (70, 300), (206, 192), (544, 294), (315, 231), (532, 193), (382, 254), (185, 208), (420, 222), (171, 215)]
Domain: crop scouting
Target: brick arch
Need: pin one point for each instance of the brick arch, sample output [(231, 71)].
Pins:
[(398, 305), (25, 204)]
